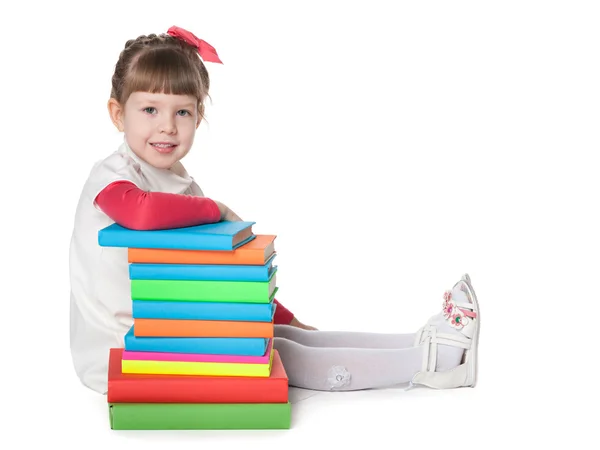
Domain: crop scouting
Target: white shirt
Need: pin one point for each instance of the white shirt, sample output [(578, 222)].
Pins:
[(100, 285)]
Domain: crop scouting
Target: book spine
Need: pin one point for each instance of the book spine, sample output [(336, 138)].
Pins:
[(165, 256), (197, 357), (195, 368), (198, 272), (157, 309), (156, 240), (199, 416), (202, 328), (213, 346), (184, 390), (192, 290)]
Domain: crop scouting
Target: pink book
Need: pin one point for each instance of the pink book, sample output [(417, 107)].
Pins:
[(197, 357)]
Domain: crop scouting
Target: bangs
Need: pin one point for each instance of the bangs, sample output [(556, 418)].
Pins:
[(162, 70)]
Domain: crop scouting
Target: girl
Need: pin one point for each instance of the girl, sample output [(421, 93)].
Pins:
[(157, 100)]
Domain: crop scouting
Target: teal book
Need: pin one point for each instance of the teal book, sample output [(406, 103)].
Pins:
[(225, 236), (202, 272), (230, 311)]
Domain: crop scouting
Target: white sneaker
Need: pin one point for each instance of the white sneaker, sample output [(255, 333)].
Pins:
[(461, 311)]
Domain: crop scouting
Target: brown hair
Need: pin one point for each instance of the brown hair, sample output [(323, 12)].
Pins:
[(160, 63)]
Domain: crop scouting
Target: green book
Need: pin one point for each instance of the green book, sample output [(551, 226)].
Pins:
[(205, 291), (200, 416)]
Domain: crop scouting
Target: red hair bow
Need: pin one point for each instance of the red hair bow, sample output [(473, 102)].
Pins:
[(207, 52)]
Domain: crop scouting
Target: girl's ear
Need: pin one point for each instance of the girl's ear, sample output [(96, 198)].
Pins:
[(116, 113)]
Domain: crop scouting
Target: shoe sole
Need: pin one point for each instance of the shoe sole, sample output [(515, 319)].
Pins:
[(472, 363)]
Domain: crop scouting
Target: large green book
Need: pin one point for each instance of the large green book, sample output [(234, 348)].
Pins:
[(200, 416), (205, 291)]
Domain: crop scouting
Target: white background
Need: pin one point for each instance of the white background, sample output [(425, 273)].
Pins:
[(391, 146)]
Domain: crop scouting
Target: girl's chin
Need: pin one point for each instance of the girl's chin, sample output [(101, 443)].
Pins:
[(162, 161)]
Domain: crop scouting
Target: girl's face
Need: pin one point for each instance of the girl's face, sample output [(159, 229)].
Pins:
[(159, 128)]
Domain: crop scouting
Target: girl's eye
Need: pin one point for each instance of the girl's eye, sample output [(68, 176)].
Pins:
[(184, 112), (150, 110)]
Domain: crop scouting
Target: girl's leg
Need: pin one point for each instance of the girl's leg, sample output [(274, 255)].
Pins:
[(349, 369), (311, 338), (443, 354)]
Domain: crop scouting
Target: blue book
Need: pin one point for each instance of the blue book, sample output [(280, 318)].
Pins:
[(225, 235), (202, 272), (245, 312), (208, 346)]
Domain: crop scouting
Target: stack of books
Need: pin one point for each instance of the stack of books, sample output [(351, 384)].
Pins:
[(200, 352)]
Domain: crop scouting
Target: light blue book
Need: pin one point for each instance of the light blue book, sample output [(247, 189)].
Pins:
[(208, 346), (202, 272), (245, 312), (225, 236)]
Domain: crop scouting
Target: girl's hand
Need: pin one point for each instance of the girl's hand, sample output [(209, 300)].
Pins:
[(296, 323), (227, 214)]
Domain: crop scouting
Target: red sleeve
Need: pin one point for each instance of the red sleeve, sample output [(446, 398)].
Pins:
[(283, 316), (134, 208)]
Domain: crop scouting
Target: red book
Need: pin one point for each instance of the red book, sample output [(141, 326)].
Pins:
[(149, 388)]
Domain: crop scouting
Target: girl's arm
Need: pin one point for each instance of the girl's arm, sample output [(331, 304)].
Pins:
[(283, 316), (134, 208)]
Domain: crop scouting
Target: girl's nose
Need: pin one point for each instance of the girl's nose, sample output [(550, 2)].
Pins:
[(168, 125)]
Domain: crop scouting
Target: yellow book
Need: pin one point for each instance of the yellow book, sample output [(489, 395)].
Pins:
[(217, 369)]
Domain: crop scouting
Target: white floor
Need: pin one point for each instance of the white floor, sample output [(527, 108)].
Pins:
[(496, 414)]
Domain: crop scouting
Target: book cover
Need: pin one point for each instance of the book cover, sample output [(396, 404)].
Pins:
[(202, 272), (152, 388), (199, 416), (216, 369), (210, 291), (223, 236), (255, 252), (202, 328), (158, 309), (215, 346)]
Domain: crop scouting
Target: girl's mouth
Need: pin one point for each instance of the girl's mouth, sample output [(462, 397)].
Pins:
[(163, 147)]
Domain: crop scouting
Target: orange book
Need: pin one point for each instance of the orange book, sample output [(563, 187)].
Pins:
[(255, 252), (202, 328)]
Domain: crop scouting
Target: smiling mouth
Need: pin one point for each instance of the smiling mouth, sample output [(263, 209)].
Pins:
[(164, 147)]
